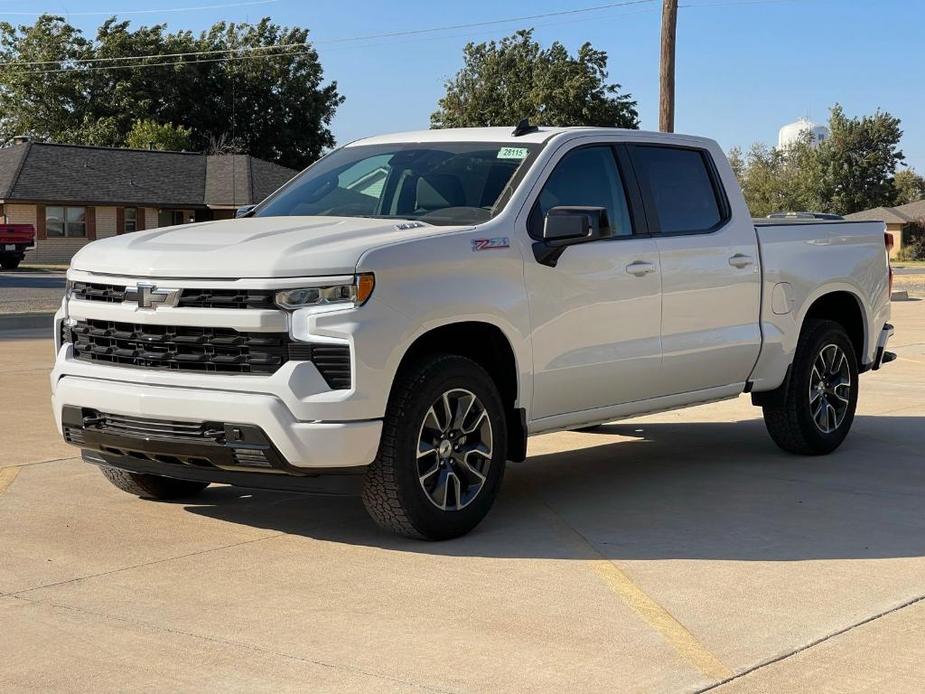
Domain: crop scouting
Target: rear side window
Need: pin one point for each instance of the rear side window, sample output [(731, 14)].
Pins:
[(681, 187), (585, 177)]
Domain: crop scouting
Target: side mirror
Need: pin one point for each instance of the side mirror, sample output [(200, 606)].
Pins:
[(568, 226), (244, 211)]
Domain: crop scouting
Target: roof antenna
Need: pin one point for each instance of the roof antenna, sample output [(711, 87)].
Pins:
[(524, 128)]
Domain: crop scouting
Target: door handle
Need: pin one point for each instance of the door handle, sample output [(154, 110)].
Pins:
[(741, 260), (640, 268)]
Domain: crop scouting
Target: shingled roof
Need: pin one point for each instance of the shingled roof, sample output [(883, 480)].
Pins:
[(46, 172), (890, 215)]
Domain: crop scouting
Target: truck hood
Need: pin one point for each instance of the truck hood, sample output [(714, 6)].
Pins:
[(252, 247)]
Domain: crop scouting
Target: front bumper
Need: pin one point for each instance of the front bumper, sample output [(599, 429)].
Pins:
[(296, 446)]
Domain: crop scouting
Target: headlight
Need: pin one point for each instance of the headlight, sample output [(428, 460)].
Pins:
[(356, 292)]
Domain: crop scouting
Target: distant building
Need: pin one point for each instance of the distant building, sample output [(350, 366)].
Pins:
[(792, 132), (899, 220), (74, 194)]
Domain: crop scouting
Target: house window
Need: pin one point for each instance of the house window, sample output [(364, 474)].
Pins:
[(130, 222), (167, 218), (68, 222)]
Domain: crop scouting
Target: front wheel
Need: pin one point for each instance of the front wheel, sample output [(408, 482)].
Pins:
[(815, 409), (443, 450)]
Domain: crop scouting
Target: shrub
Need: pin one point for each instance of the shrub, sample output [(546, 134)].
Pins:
[(913, 243)]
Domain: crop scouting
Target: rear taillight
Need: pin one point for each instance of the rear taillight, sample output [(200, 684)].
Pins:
[(888, 242)]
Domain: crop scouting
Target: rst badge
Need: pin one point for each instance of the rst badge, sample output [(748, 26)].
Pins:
[(490, 244)]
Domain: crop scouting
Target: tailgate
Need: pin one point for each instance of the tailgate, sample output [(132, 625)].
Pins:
[(17, 234)]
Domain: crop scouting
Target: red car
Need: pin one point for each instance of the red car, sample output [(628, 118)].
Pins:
[(15, 240)]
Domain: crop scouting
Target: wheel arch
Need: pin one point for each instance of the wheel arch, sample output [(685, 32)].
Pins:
[(839, 303), (845, 308), (490, 347)]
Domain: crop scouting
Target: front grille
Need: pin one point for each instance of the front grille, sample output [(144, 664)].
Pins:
[(216, 350), (183, 348), (198, 444), (151, 428), (90, 291), (227, 298), (189, 298)]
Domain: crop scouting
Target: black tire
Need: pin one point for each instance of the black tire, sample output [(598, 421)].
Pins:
[(152, 486), (392, 492), (9, 262), (788, 414)]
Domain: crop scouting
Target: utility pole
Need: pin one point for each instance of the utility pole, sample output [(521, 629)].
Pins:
[(666, 71)]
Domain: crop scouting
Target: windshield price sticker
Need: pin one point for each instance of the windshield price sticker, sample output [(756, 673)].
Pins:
[(513, 153)]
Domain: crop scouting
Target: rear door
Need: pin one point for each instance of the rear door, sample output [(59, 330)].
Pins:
[(711, 280), (595, 315)]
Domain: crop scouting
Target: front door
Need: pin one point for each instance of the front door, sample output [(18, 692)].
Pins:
[(596, 315)]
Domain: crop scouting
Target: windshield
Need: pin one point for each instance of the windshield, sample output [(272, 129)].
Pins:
[(437, 183)]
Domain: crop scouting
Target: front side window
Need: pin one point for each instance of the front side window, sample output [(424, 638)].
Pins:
[(438, 183), (130, 221), (586, 177), (681, 188), (61, 222)]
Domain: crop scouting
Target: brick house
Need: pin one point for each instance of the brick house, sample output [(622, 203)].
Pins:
[(74, 194)]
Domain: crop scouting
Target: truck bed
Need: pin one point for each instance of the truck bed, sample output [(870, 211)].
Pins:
[(802, 259)]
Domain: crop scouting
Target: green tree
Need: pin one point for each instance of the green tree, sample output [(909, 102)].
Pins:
[(849, 171), (149, 134), (858, 161), (502, 82), (260, 85), (774, 180), (909, 186), (33, 103)]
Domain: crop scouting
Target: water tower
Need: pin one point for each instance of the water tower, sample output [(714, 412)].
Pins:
[(792, 132)]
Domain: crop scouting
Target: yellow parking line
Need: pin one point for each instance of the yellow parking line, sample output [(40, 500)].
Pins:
[(7, 475), (683, 641), (676, 634)]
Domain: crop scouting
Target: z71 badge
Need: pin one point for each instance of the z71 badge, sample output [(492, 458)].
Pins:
[(490, 244)]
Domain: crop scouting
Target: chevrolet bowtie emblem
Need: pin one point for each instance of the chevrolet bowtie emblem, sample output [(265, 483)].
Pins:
[(149, 296)]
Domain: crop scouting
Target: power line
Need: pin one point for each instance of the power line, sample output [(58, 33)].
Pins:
[(472, 25), (183, 63), (89, 61), (154, 11), (75, 64), (394, 34)]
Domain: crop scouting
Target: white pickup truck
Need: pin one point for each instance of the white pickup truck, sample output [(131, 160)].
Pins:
[(412, 307)]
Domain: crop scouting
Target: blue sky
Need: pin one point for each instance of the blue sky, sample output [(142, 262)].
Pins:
[(745, 67)]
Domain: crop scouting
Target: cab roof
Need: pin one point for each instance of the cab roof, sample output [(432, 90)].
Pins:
[(506, 135)]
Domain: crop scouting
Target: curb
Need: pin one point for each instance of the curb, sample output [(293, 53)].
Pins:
[(27, 321)]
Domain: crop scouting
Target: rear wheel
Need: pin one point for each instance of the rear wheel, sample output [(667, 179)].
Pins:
[(442, 454), (152, 486), (9, 262), (813, 412)]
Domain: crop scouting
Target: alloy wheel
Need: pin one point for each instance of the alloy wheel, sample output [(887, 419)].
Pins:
[(454, 450), (830, 388)]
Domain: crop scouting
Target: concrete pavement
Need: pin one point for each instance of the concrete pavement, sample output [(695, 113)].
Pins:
[(665, 553)]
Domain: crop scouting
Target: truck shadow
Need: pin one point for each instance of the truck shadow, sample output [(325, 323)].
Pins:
[(703, 490)]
